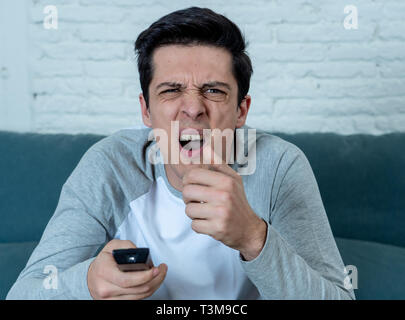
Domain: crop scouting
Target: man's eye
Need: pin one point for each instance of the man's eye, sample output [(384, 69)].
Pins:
[(215, 94), (214, 91), (170, 90)]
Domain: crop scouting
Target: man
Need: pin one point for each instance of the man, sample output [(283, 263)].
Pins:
[(212, 233)]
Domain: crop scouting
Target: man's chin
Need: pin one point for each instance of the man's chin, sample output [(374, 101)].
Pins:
[(182, 169)]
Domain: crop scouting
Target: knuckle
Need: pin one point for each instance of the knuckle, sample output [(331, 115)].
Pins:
[(126, 283), (223, 212), (110, 245), (220, 228), (189, 209), (194, 226), (192, 174), (128, 243), (117, 243), (225, 196), (103, 292), (221, 231), (148, 276), (227, 183), (121, 281), (186, 190), (186, 177), (145, 288)]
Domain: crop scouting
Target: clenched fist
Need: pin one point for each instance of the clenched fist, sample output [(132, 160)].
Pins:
[(106, 281), (216, 202)]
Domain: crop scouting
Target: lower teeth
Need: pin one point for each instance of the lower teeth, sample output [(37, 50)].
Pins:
[(193, 145)]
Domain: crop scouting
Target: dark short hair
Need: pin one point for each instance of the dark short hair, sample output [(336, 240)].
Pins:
[(194, 26)]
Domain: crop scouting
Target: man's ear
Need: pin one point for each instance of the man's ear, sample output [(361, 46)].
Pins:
[(145, 111), (243, 110)]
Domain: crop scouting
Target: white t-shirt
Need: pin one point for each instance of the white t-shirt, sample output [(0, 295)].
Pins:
[(199, 267)]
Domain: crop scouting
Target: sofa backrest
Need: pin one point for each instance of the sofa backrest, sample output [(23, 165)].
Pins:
[(361, 179), (33, 169), (362, 182)]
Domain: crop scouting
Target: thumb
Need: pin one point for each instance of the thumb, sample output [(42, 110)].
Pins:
[(118, 244), (162, 268)]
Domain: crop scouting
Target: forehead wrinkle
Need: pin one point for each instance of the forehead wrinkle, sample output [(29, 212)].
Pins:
[(170, 64)]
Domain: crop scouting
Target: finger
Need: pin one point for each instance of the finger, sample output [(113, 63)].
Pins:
[(202, 226), (197, 193), (225, 169), (156, 282), (151, 285), (124, 279), (204, 177), (199, 210), (108, 290)]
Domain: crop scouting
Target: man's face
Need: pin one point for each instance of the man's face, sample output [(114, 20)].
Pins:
[(195, 86)]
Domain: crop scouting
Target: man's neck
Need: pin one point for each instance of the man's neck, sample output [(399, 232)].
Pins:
[(174, 180)]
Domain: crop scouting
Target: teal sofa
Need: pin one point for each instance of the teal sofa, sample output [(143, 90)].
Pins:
[(361, 179)]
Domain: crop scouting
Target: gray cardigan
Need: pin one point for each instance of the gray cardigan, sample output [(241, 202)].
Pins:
[(299, 260)]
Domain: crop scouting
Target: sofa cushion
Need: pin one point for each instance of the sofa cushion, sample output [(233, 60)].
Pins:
[(380, 268), (13, 258)]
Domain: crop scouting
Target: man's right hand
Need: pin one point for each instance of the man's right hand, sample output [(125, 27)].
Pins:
[(106, 281)]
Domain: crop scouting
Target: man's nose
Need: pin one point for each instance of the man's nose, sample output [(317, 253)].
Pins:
[(192, 106)]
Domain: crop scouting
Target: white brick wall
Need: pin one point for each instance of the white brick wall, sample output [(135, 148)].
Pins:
[(310, 74)]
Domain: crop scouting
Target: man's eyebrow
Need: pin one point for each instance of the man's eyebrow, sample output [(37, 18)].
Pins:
[(210, 84), (213, 84), (169, 84)]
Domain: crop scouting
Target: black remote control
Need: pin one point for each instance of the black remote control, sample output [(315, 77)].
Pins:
[(133, 259)]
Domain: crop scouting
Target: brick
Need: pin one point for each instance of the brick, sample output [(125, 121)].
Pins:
[(320, 70), (62, 104), (342, 125), (389, 30), (333, 88), (108, 33), (393, 10), (110, 69), (85, 51), (324, 32), (367, 11), (80, 14), (65, 33), (283, 52), (382, 51), (340, 107), (117, 3), (394, 69), (52, 68), (257, 34), (79, 87), (57, 104)]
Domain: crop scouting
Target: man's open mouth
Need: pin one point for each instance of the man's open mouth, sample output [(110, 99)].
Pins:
[(191, 144)]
